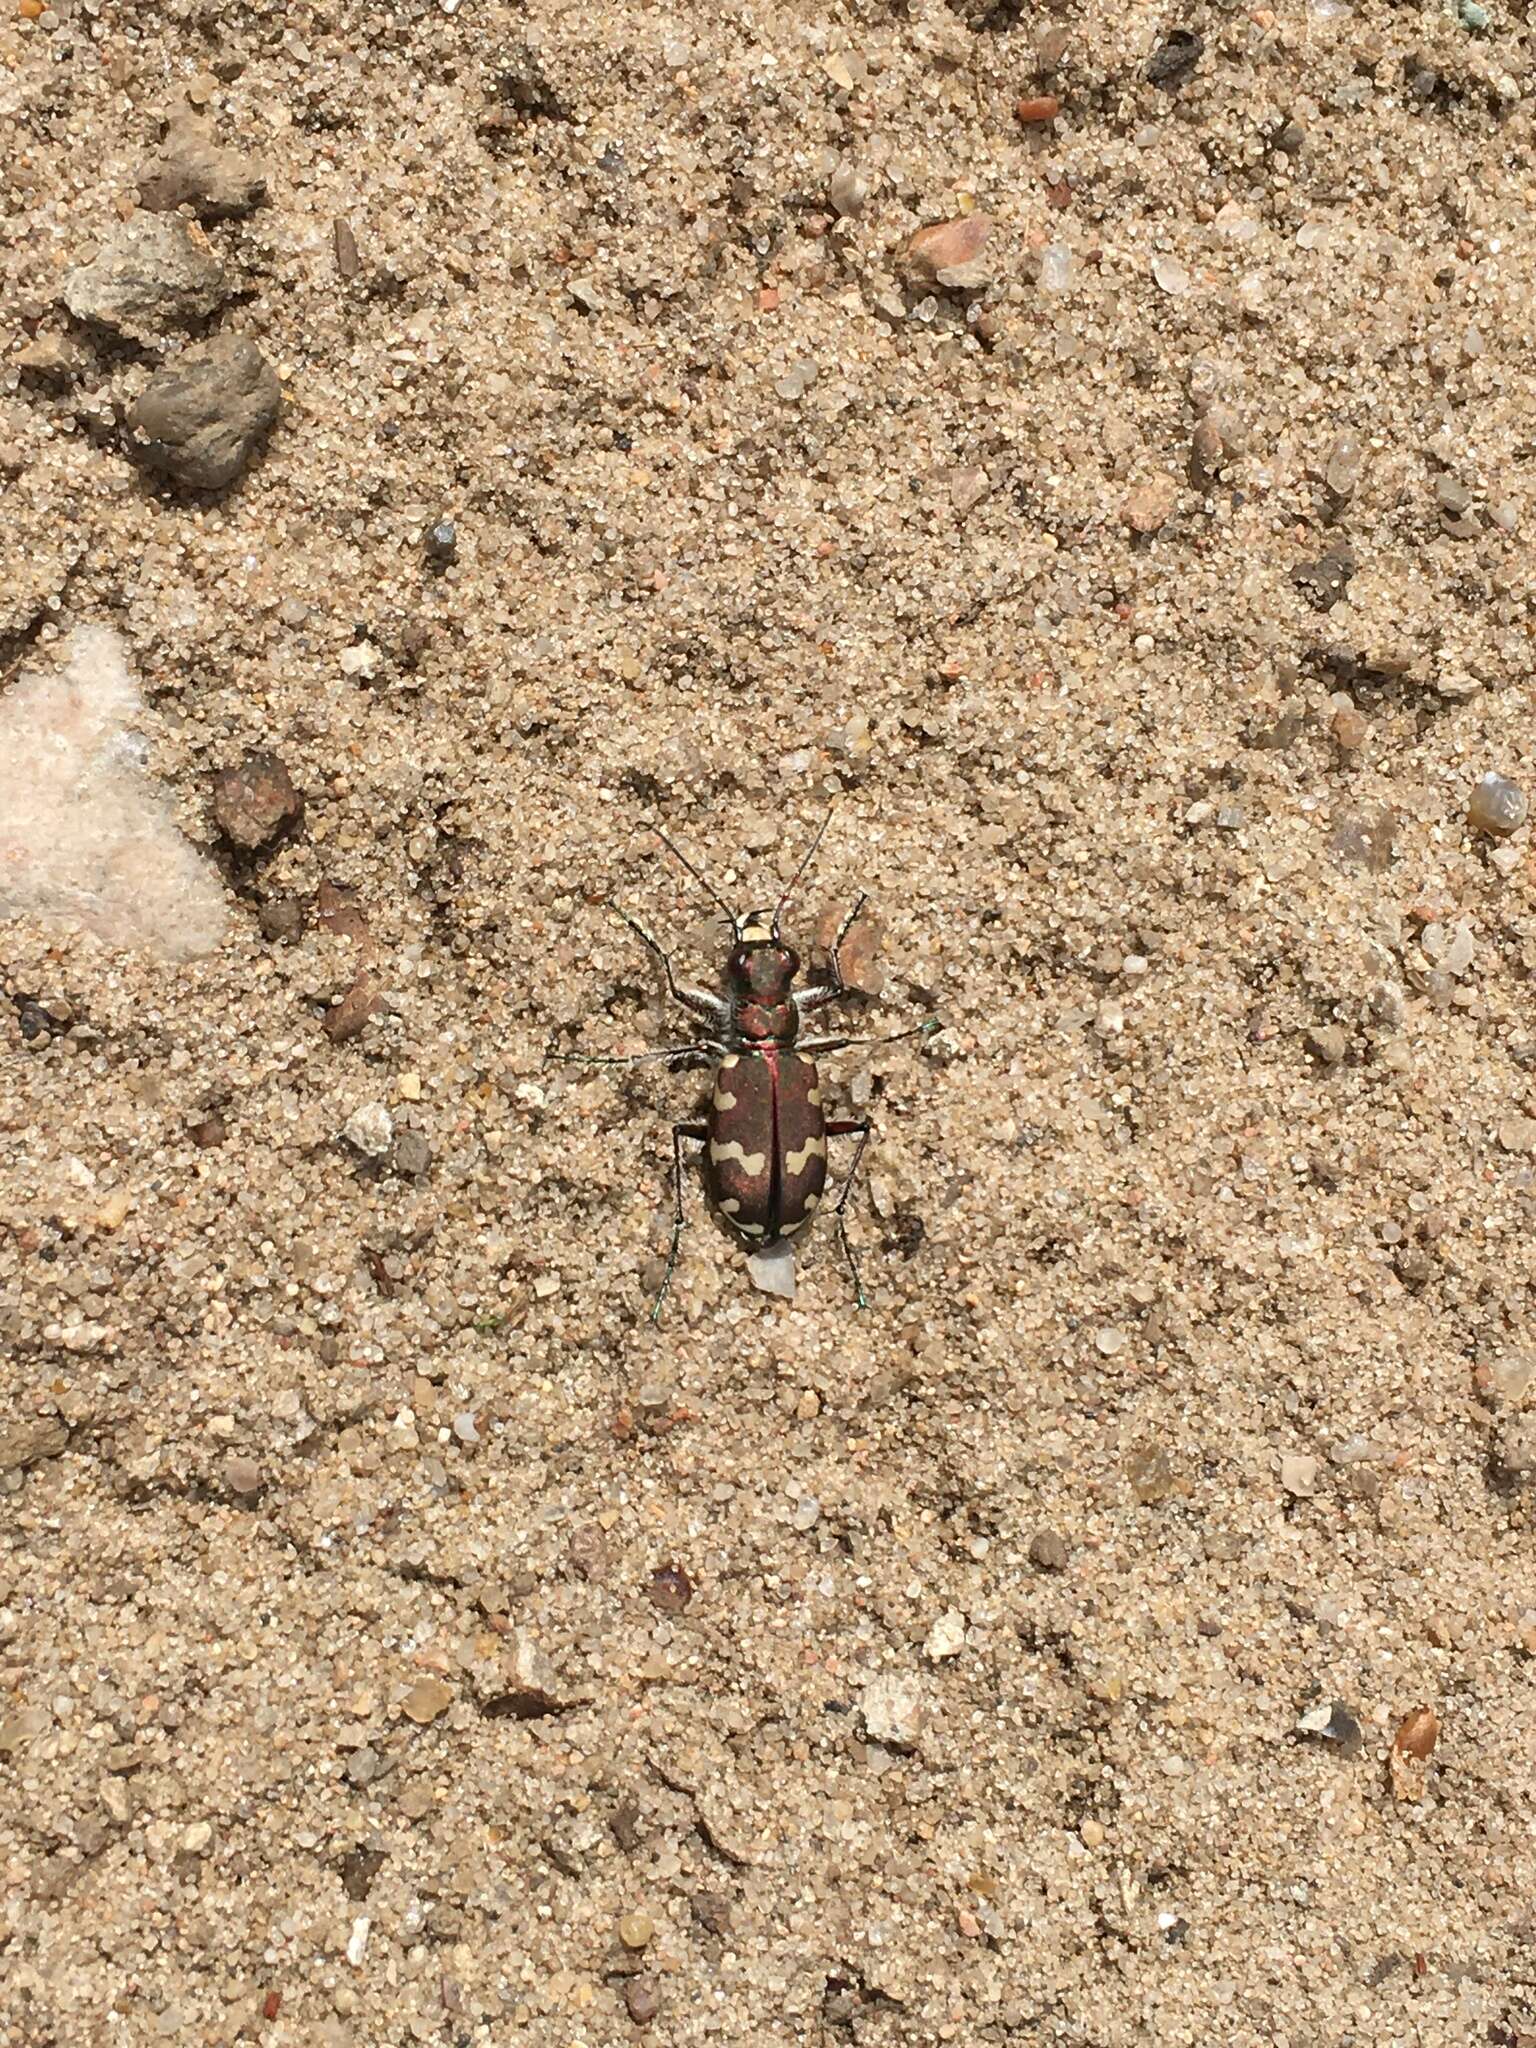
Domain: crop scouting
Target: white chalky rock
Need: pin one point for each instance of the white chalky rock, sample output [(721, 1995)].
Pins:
[(85, 836)]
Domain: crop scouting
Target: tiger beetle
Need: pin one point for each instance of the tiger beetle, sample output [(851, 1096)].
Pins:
[(765, 1139)]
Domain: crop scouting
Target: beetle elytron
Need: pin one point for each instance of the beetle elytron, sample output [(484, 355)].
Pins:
[(765, 1138)]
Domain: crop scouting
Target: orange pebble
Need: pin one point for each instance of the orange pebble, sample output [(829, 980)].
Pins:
[(1044, 106), (29, 10)]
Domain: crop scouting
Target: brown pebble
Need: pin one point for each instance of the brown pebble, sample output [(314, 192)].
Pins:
[(642, 1999), (1048, 1551), (1206, 449), (670, 1589), (348, 262), (712, 1910), (1351, 729), (210, 1131), (346, 1019), (1042, 106), (1418, 1732), (256, 804), (340, 910)]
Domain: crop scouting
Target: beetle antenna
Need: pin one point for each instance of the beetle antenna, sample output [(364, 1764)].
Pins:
[(799, 874), (703, 880)]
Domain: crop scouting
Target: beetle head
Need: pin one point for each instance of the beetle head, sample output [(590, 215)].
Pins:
[(761, 967)]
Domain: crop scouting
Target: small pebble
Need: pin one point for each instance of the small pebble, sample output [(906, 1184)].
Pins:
[(1175, 58), (947, 1636), (440, 543), (1351, 729), (202, 417), (427, 1698), (1170, 275), (1498, 806), (1206, 449), (1342, 471), (1515, 1447), (243, 1477), (1048, 1551), (642, 1999), (256, 804), (362, 1766), (848, 192), (153, 273), (1039, 108), (636, 1930), (29, 1443), (807, 1512), (1150, 1471), (894, 1710), (194, 168), (949, 252), (1151, 504), (1298, 1474), (370, 1130), (1332, 1722), (1328, 1043), (670, 1589), (1418, 1732)]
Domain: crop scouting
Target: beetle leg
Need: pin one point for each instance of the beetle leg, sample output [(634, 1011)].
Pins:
[(631, 1059), (714, 1010), (849, 1127), (890, 1038), (807, 999), (682, 1134)]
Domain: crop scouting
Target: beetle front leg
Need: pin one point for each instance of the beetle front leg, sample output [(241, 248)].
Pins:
[(849, 1127), (807, 999), (889, 1038), (682, 1134), (712, 1010)]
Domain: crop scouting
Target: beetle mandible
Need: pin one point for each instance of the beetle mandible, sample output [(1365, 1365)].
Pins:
[(765, 1137)]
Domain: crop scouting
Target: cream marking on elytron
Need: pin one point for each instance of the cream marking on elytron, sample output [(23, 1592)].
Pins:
[(795, 1162), (751, 1162)]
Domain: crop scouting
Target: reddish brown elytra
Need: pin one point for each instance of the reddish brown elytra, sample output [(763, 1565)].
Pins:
[(765, 1140)]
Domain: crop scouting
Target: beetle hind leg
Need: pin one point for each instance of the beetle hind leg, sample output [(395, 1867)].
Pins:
[(682, 1134), (860, 1128)]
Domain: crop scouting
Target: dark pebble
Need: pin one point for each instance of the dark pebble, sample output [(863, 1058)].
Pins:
[(441, 543), (1175, 58), (670, 1589), (1323, 582)]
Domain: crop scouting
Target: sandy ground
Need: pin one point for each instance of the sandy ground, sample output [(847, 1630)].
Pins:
[(400, 1640)]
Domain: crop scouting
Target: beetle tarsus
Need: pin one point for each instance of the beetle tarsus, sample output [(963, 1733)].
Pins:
[(849, 1127), (682, 1134)]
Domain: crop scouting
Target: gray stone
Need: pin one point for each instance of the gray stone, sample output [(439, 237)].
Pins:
[(203, 416), (150, 275), (194, 168), (28, 1443)]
